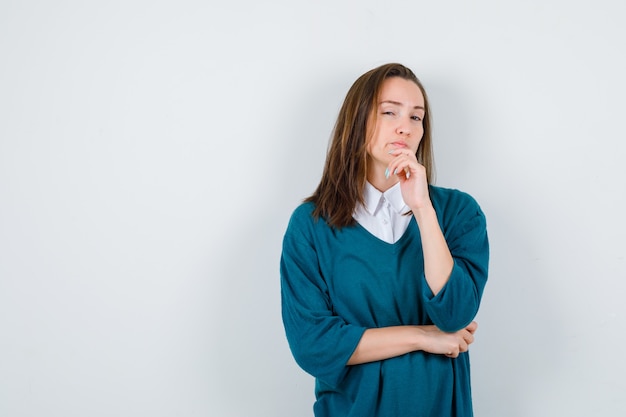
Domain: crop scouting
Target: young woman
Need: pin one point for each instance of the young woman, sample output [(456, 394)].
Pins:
[(382, 273)]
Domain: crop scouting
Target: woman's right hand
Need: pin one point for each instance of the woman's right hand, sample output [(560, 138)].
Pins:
[(448, 344)]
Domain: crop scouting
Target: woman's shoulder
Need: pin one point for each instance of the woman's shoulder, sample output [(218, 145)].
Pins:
[(449, 193), (303, 212), (452, 199), (302, 217), (304, 225)]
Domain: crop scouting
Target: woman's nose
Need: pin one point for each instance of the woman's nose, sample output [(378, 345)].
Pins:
[(403, 129)]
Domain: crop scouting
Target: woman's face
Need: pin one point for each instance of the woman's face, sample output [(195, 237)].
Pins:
[(399, 115)]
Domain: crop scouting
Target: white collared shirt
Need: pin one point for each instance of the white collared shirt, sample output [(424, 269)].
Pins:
[(382, 214)]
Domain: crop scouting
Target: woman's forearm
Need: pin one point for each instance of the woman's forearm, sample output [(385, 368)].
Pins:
[(388, 342), (384, 343), (438, 260)]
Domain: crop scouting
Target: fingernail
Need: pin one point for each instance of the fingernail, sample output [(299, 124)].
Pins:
[(387, 173), (395, 172), (391, 151)]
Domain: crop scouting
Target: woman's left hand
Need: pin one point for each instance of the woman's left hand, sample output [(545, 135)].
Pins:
[(412, 175)]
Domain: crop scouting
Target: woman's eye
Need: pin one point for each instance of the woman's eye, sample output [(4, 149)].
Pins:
[(390, 113), (416, 118)]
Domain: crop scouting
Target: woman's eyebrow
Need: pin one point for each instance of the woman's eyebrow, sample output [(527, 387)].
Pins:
[(397, 103)]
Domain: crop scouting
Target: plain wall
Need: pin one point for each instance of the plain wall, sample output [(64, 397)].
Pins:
[(151, 153)]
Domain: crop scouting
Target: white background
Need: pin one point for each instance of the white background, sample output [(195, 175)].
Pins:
[(151, 153)]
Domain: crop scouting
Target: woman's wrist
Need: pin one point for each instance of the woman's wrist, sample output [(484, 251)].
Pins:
[(424, 213)]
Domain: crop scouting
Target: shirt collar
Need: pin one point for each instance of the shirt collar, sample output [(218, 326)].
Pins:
[(394, 196), (373, 199)]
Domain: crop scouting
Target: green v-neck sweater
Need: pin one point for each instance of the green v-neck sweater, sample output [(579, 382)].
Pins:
[(336, 283)]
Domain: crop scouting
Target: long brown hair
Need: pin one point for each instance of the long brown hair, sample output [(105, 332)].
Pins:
[(345, 170)]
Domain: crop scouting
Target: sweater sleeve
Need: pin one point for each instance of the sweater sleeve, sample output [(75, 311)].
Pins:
[(320, 341), (465, 230)]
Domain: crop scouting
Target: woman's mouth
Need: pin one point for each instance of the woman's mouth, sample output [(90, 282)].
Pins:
[(399, 144)]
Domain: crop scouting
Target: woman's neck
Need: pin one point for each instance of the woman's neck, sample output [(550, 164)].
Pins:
[(382, 184)]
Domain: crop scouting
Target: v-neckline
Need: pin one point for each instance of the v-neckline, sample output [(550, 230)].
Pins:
[(397, 243)]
